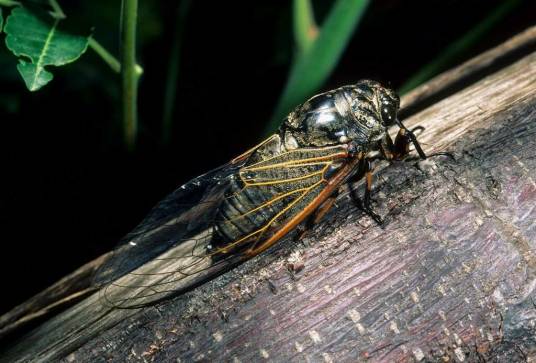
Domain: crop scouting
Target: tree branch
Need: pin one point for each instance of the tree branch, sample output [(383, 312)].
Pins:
[(450, 275)]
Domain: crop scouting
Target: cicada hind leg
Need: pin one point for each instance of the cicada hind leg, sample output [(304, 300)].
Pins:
[(365, 170)]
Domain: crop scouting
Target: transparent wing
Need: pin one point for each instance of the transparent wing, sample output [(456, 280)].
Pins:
[(167, 252)]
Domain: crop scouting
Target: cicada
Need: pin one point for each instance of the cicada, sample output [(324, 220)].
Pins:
[(240, 209)]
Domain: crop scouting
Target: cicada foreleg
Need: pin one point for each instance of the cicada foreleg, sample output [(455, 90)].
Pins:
[(404, 138), (398, 149)]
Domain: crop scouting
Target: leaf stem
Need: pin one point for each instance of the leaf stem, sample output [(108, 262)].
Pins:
[(128, 72), (58, 11), (106, 56)]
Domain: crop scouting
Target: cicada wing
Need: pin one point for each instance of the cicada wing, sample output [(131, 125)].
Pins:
[(178, 269), (167, 251)]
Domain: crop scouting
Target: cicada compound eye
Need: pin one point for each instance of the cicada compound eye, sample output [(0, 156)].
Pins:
[(389, 103)]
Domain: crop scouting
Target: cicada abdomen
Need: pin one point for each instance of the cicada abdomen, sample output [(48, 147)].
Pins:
[(268, 193)]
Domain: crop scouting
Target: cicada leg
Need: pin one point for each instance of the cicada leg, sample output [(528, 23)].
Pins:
[(366, 170), (368, 188), (317, 216), (404, 138), (400, 148)]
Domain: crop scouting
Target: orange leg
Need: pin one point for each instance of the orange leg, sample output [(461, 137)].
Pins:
[(397, 150), (400, 148), (317, 216), (402, 142)]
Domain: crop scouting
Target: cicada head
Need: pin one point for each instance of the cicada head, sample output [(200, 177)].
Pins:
[(372, 108), (370, 99)]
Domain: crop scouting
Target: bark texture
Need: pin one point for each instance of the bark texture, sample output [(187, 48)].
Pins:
[(451, 275)]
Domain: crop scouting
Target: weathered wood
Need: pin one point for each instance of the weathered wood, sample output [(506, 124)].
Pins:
[(451, 273), (67, 291)]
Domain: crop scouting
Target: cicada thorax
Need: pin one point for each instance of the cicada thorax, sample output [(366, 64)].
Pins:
[(269, 190)]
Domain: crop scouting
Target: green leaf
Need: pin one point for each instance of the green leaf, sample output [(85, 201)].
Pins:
[(33, 77), (305, 28), (35, 37), (314, 66), (6, 3)]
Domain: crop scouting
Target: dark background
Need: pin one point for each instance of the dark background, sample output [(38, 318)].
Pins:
[(69, 191)]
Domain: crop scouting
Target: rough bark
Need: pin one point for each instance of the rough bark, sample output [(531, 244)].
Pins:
[(450, 274)]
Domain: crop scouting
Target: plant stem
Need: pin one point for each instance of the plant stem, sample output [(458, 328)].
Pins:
[(128, 71), (109, 58), (173, 72), (93, 43), (305, 28)]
